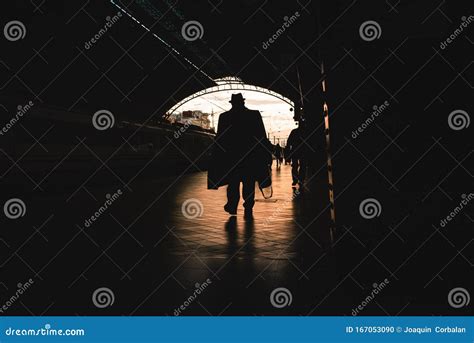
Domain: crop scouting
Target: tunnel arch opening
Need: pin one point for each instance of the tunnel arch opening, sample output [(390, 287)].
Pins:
[(277, 110), (229, 83)]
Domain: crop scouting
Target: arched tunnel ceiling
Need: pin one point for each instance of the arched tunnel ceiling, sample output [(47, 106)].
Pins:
[(127, 70), (237, 38), (66, 60)]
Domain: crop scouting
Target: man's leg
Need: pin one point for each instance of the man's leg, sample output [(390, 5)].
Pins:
[(233, 194), (248, 192), (294, 170)]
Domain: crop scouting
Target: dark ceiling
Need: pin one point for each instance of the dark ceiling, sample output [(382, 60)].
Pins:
[(131, 71)]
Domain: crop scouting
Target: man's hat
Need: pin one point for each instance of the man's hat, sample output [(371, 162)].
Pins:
[(237, 98)]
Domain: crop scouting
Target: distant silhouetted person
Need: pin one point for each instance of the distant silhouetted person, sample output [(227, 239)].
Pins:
[(278, 155), (296, 153), (241, 153)]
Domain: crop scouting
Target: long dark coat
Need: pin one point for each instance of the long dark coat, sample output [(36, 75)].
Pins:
[(241, 146)]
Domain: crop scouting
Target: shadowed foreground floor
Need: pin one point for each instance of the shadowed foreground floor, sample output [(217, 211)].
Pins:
[(166, 247), (160, 239)]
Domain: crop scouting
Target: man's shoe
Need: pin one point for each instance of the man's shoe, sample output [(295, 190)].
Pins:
[(294, 182), (229, 210)]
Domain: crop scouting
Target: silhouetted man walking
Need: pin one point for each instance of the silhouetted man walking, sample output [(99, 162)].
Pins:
[(298, 165), (278, 155), (241, 153)]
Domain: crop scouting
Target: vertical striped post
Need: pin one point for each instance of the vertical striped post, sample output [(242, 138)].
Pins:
[(332, 228)]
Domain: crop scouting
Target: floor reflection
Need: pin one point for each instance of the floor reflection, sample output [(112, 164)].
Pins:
[(269, 234), (144, 244)]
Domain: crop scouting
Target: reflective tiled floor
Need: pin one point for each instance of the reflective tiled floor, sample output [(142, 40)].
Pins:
[(248, 256), (245, 258), (217, 235), (153, 256)]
